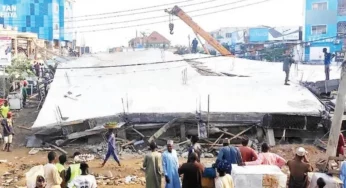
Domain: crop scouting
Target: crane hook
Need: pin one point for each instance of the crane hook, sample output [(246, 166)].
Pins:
[(171, 27)]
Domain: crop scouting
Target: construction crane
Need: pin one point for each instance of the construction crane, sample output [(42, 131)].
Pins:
[(177, 11)]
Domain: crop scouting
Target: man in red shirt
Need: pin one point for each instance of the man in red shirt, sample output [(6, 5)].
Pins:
[(247, 153), (341, 144)]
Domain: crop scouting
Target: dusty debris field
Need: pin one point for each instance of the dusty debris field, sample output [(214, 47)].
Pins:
[(19, 162)]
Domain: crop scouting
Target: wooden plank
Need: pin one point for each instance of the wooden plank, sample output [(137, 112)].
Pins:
[(58, 148), (237, 135)]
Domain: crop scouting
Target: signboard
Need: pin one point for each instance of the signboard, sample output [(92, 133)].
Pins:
[(258, 34), (8, 11), (339, 56), (283, 33), (5, 51)]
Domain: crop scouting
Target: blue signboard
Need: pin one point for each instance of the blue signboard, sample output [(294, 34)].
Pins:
[(258, 34), (43, 17)]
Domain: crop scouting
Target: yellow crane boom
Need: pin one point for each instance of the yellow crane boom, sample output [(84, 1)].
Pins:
[(177, 11)]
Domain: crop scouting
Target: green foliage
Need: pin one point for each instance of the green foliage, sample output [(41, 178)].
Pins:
[(20, 69)]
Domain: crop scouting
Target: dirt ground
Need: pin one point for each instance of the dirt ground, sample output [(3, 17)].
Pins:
[(19, 161)]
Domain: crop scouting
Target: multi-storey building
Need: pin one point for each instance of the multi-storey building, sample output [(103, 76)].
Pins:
[(50, 19), (324, 20)]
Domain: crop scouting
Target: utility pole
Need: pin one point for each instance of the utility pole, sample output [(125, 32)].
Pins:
[(338, 113), (188, 37)]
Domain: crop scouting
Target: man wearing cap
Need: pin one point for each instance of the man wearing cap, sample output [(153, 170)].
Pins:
[(170, 166), (229, 153), (299, 167), (7, 131)]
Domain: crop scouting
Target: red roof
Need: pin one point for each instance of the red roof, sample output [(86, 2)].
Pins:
[(153, 38)]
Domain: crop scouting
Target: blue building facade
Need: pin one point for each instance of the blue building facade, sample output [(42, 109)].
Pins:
[(45, 17), (324, 20)]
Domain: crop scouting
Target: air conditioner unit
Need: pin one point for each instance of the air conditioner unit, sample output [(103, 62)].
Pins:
[(336, 41), (308, 44)]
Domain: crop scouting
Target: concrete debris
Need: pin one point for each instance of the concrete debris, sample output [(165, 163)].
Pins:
[(207, 155), (33, 151)]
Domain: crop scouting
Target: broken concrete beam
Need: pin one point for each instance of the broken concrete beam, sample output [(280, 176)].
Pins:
[(270, 137), (58, 148), (163, 129)]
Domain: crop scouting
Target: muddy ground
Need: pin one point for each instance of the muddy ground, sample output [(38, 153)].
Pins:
[(19, 161)]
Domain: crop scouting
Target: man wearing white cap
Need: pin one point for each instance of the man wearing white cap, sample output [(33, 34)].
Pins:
[(299, 167), (170, 165)]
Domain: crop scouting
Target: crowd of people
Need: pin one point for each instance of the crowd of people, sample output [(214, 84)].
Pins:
[(167, 165)]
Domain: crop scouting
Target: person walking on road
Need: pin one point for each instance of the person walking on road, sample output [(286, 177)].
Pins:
[(170, 166), (152, 164), (327, 61), (112, 150)]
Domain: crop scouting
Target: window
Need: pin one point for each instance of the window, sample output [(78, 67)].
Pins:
[(228, 35), (341, 7), (318, 30), (320, 6)]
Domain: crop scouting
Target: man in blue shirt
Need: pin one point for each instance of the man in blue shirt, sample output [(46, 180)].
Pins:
[(230, 154), (327, 60)]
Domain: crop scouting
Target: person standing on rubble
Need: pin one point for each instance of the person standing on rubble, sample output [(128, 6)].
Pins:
[(111, 151), (170, 166), (194, 45), (327, 61), (299, 168), (268, 158), (247, 153), (229, 153), (195, 148), (288, 61), (152, 164)]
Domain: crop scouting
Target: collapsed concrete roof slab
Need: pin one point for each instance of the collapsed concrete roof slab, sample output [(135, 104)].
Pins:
[(77, 94)]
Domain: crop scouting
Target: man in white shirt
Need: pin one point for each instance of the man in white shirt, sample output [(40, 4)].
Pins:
[(85, 179), (51, 173)]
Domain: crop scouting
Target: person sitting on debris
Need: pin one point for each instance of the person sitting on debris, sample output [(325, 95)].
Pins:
[(5, 108), (85, 179), (224, 180), (170, 164), (229, 153), (247, 153), (341, 144), (192, 172), (153, 170), (196, 148), (111, 148), (51, 173), (73, 170), (267, 158), (40, 182), (61, 169), (299, 168), (7, 131)]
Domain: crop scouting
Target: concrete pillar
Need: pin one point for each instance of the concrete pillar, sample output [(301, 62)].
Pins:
[(182, 132)]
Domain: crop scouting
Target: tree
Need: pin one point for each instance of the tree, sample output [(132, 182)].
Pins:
[(20, 69)]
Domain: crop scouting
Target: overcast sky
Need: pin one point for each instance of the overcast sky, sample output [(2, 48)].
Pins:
[(271, 13)]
